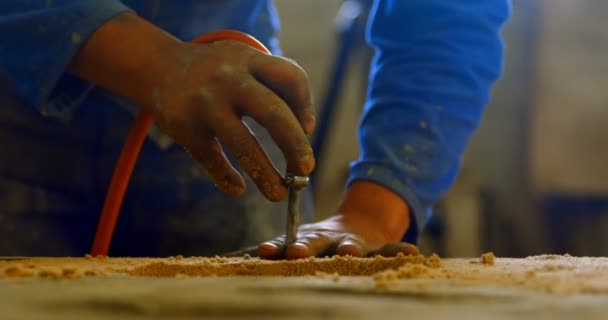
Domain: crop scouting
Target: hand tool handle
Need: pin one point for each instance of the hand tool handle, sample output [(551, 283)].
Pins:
[(293, 216), (294, 184), (132, 147)]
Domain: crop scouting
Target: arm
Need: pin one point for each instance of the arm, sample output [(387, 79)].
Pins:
[(196, 93), (39, 39), (435, 63)]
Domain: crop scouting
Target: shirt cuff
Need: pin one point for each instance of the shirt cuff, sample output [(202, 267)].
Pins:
[(380, 174), (59, 93)]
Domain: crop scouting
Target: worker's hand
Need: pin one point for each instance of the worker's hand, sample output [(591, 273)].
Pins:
[(371, 221), (206, 91), (199, 93)]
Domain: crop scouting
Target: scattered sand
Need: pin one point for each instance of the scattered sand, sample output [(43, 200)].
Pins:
[(18, 271), (552, 274), (201, 267), (334, 276), (547, 273), (488, 258), (433, 261), (343, 266)]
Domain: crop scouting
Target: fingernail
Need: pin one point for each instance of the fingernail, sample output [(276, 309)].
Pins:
[(268, 245), (267, 250), (297, 251)]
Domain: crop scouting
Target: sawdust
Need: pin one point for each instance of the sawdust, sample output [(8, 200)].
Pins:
[(179, 266), (488, 258), (547, 273), (335, 277), (50, 272), (18, 271), (552, 274), (55, 272), (343, 266), (433, 261), (387, 278)]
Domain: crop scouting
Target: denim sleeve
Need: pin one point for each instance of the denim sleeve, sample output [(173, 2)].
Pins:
[(37, 42), (431, 77)]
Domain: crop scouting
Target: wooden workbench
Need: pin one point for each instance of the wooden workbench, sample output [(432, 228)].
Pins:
[(544, 287)]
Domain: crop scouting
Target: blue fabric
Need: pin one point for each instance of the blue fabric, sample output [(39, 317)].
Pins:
[(39, 38), (436, 61), (431, 78)]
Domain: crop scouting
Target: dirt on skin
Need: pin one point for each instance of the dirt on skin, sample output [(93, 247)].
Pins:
[(553, 274)]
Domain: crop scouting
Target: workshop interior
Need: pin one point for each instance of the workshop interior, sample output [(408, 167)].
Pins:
[(531, 195), (533, 177)]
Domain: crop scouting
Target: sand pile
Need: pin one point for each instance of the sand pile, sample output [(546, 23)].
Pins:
[(546, 273), (204, 267)]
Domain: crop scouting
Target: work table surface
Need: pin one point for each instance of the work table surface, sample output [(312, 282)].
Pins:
[(541, 287)]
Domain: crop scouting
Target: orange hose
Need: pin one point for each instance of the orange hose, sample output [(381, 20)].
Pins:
[(130, 151)]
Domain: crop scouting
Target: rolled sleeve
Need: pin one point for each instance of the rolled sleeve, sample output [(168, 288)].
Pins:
[(431, 77), (39, 39)]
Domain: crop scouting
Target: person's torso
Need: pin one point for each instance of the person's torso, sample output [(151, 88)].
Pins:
[(75, 155)]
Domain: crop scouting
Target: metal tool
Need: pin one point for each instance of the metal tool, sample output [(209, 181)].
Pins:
[(294, 185)]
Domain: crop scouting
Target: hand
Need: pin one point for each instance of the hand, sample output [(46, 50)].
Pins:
[(205, 93), (371, 221), (198, 94)]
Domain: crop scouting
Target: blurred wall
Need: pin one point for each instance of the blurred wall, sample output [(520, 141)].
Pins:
[(569, 125), (541, 152), (498, 153)]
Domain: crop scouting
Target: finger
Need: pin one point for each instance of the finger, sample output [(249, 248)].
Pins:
[(351, 246), (236, 136), (208, 152), (270, 111), (393, 249), (290, 82), (309, 245), (274, 249)]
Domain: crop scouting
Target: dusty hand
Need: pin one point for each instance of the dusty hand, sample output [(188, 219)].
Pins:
[(199, 93), (335, 236), (204, 94), (371, 220)]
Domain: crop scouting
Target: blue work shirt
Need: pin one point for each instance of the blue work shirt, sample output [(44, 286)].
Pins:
[(430, 80)]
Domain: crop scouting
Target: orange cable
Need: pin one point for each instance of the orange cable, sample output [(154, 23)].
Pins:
[(130, 151)]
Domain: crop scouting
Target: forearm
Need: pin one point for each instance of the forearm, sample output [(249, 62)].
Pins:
[(126, 56), (430, 84)]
